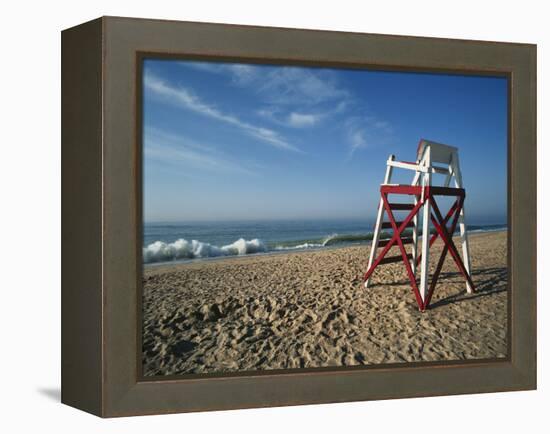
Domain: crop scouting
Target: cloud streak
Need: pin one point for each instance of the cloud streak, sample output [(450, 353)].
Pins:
[(184, 98), (303, 119), (240, 73), (292, 119), (292, 85), (175, 149), (286, 90), (358, 141), (362, 132), (280, 84)]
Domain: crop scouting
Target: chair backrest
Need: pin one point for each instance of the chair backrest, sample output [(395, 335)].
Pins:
[(439, 153)]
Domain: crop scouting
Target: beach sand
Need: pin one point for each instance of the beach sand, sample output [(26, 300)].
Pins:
[(309, 309)]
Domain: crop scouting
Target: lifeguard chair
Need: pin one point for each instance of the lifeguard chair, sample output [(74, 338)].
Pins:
[(431, 158)]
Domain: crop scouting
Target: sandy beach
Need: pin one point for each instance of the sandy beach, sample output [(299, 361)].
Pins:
[(309, 309)]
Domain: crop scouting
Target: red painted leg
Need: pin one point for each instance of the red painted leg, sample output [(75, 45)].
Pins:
[(452, 248), (410, 273), (456, 209), (395, 237)]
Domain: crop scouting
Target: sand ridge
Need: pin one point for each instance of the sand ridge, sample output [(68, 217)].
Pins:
[(309, 309)]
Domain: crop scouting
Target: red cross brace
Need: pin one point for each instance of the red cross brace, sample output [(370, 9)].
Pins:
[(423, 195)]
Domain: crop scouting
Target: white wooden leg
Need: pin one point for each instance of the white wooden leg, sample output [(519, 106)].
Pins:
[(414, 252), (462, 222), (465, 247), (424, 265), (379, 215), (425, 250), (375, 237)]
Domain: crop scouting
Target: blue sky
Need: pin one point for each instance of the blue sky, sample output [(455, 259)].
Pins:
[(226, 141)]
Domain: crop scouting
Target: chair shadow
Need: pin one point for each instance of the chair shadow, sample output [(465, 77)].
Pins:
[(494, 284), (52, 393)]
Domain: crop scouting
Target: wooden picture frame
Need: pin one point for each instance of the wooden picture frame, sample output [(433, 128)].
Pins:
[(101, 197)]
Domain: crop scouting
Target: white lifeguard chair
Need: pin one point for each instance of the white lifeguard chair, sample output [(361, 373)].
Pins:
[(431, 158)]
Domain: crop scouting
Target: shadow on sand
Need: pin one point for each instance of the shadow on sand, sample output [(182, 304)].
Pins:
[(487, 281)]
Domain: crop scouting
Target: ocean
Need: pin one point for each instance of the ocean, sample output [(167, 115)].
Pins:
[(191, 241)]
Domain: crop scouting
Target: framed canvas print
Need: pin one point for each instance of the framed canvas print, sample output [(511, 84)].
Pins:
[(262, 216)]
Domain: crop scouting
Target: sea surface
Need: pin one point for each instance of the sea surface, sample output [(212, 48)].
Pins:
[(191, 241)]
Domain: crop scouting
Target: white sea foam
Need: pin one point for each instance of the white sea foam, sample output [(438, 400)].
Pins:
[(160, 251), (300, 246), (308, 245)]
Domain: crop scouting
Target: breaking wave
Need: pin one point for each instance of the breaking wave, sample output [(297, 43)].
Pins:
[(160, 251), (331, 240)]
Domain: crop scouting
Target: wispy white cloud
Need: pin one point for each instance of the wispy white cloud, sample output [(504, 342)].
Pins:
[(240, 73), (172, 149), (186, 99), (213, 67), (358, 140), (243, 74), (363, 132), (299, 97), (302, 97), (284, 85), (303, 119), (341, 106), (292, 119), (291, 85)]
